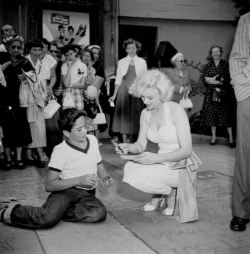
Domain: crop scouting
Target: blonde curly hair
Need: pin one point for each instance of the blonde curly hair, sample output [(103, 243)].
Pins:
[(153, 79)]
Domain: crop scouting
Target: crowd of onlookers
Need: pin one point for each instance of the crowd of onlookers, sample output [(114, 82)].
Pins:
[(75, 77), (32, 74)]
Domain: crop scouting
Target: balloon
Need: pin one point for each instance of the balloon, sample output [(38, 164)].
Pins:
[(92, 91)]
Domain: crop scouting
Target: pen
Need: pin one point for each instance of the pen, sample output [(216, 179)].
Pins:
[(116, 145)]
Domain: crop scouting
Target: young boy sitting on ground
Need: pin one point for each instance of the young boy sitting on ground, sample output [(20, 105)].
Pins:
[(72, 179)]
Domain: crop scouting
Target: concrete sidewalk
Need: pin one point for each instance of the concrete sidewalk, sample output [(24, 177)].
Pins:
[(128, 229)]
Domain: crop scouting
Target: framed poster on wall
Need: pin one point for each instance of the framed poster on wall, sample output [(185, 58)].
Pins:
[(65, 27)]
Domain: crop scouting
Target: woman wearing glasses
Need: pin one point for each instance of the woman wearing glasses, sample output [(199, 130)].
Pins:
[(179, 76), (15, 126)]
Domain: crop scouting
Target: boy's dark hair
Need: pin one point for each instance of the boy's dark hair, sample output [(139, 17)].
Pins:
[(45, 42), (35, 43), (68, 118), (67, 48)]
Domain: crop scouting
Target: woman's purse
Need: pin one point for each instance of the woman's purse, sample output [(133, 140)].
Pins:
[(68, 100), (217, 96), (25, 94), (37, 91), (98, 81), (185, 102), (51, 108), (100, 117), (90, 105)]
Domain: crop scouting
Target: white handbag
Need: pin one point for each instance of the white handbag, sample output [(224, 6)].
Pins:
[(51, 108), (68, 100), (185, 102), (100, 117), (98, 81)]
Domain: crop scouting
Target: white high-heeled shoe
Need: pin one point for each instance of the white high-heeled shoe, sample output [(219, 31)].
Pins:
[(149, 207), (170, 199), (168, 211)]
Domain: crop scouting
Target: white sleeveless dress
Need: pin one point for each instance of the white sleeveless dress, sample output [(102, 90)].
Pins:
[(156, 178)]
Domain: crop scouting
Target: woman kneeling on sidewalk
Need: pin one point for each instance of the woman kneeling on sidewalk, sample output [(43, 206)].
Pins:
[(72, 179), (169, 174)]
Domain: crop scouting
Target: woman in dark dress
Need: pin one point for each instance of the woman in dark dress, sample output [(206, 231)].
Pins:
[(100, 75), (15, 126), (216, 111), (128, 108)]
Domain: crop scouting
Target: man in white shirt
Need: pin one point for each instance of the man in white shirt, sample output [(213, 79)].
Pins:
[(240, 74)]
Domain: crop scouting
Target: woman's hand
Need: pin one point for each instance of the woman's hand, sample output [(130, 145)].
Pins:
[(146, 158), (49, 91), (121, 148), (5, 65), (217, 89), (212, 80), (112, 98), (21, 77), (185, 90)]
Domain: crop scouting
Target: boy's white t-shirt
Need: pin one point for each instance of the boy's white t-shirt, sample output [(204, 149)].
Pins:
[(72, 161)]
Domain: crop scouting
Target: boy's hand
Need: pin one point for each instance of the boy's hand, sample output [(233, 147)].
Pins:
[(107, 181), (87, 181)]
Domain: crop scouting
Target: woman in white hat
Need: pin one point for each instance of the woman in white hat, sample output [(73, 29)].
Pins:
[(179, 76)]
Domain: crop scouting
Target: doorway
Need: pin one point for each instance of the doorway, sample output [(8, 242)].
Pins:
[(146, 35)]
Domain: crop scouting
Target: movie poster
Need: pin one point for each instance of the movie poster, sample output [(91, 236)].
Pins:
[(65, 27)]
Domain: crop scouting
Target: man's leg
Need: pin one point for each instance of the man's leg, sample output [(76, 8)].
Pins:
[(87, 209), (241, 180), (45, 216)]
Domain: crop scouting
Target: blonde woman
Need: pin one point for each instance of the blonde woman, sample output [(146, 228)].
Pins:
[(172, 168)]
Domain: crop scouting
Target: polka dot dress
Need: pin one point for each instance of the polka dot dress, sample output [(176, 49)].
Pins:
[(216, 113)]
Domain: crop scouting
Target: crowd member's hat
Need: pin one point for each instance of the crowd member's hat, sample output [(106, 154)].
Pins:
[(60, 26), (94, 47), (165, 52), (70, 28)]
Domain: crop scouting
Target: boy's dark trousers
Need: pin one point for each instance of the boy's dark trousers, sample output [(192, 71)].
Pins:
[(73, 205)]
